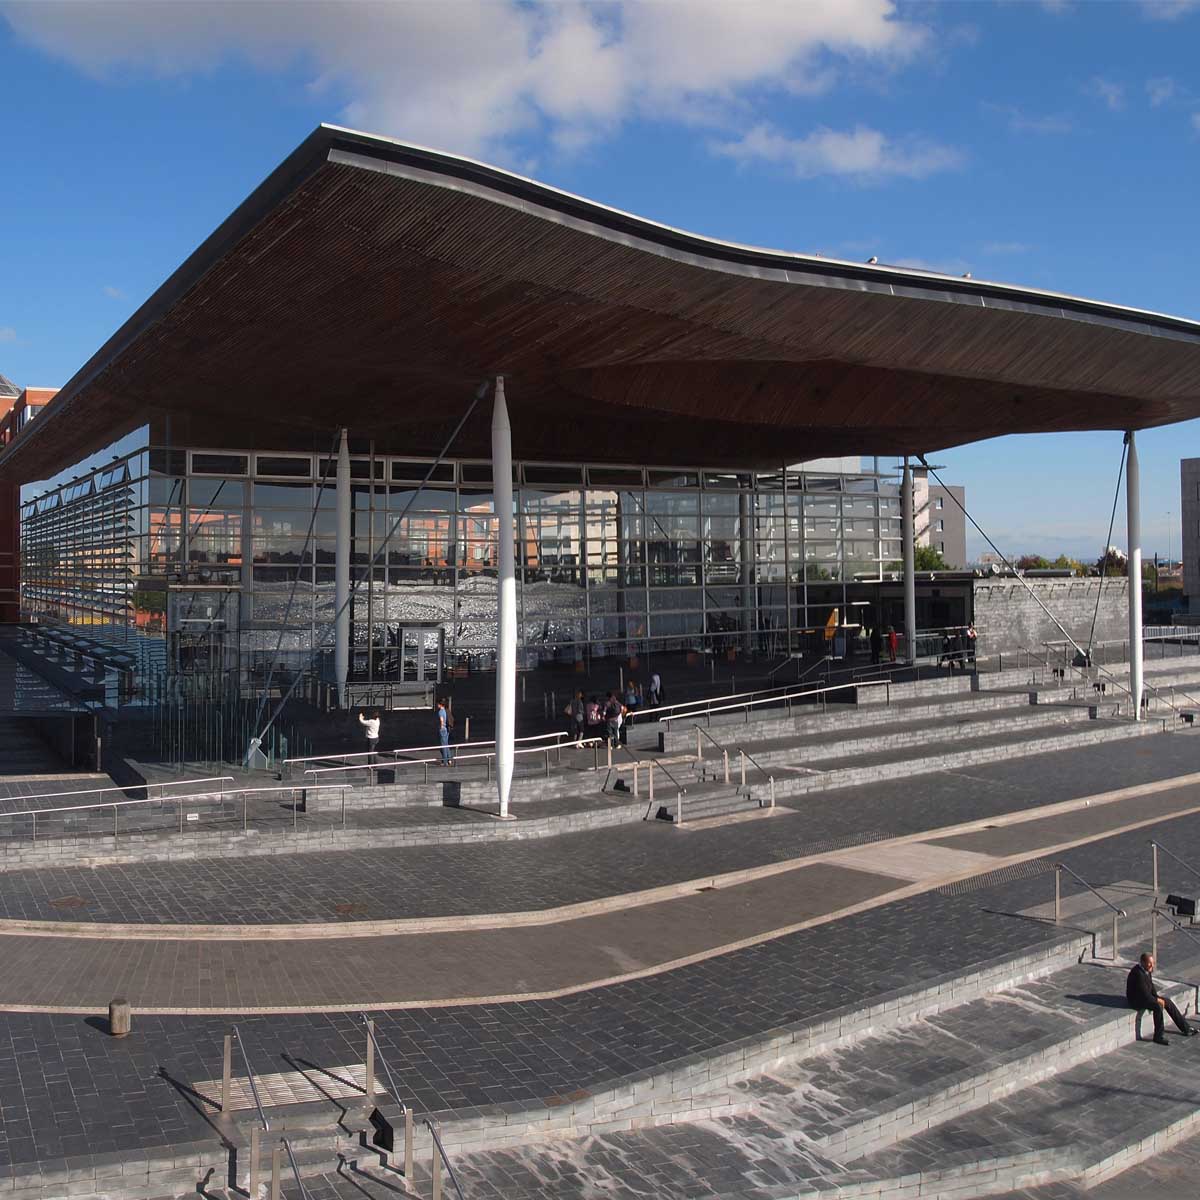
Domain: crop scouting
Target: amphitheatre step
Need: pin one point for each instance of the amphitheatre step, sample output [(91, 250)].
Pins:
[(825, 774), (1082, 1124)]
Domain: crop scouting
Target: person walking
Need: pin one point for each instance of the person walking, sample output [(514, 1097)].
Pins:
[(578, 718), (612, 719), (893, 644), (655, 689), (1141, 995), (595, 717), (445, 726), (371, 725)]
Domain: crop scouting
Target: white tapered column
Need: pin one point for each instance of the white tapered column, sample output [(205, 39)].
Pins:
[(506, 615), (1133, 517), (910, 577), (341, 572)]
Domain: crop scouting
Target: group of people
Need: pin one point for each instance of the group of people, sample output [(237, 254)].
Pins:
[(609, 718)]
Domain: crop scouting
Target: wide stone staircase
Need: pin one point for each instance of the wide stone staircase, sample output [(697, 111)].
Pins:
[(1021, 1072)]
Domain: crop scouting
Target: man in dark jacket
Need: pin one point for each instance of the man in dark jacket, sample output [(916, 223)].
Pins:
[(1142, 994)]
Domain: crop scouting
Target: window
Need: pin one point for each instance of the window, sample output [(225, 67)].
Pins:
[(220, 464), (940, 526), (941, 546), (939, 503)]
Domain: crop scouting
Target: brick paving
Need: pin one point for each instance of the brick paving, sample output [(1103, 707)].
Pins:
[(513, 876)]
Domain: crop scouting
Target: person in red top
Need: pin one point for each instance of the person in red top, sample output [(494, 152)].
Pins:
[(893, 643)]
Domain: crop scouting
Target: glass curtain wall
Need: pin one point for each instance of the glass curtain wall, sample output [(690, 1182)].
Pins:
[(227, 559)]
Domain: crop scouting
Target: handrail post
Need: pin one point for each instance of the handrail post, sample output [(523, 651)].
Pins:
[(699, 747), (636, 790), (1057, 893), (370, 1063), (435, 1173), (181, 814), (342, 792), (595, 756), (35, 826), (226, 1072), (255, 1156), (408, 1143), (245, 811), (678, 808), (1116, 936), (295, 810), (608, 748), (725, 764), (547, 753), (742, 756), (1154, 852), (771, 781), (650, 785), (275, 1171), (1154, 931), (114, 822)]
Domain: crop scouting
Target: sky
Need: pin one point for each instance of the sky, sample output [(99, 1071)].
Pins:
[(1054, 144)]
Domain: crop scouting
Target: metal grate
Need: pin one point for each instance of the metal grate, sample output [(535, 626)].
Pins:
[(1025, 870)]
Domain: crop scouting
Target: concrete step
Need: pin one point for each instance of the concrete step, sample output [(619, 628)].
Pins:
[(817, 775)]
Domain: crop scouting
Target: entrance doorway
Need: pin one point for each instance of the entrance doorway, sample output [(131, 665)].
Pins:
[(406, 653)]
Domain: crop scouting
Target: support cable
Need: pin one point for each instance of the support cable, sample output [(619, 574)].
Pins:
[(1108, 542), (287, 612), (480, 392), (1021, 578)]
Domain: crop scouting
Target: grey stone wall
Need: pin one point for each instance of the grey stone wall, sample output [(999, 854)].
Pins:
[(1008, 618)]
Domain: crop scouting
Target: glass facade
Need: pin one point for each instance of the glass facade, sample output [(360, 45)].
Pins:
[(225, 559)]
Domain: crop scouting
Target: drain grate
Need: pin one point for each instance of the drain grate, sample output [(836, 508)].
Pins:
[(352, 909), (1025, 870), (69, 902)]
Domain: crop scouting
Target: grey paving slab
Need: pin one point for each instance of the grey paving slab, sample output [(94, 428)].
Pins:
[(487, 876)]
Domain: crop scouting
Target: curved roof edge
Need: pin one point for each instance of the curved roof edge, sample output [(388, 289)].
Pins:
[(332, 143)]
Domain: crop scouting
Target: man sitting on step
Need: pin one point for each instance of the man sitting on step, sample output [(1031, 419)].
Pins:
[(1142, 994)]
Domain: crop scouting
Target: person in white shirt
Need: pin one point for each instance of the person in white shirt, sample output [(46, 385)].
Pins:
[(655, 689), (371, 725)]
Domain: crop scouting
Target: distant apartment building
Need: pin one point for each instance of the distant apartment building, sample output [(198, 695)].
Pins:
[(1189, 508), (938, 521), (18, 406)]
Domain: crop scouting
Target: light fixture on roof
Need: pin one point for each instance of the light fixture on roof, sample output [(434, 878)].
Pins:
[(967, 275), (872, 260)]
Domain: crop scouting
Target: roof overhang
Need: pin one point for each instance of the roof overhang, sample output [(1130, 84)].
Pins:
[(375, 284)]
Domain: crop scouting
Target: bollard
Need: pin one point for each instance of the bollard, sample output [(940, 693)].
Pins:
[(226, 1072), (120, 1017), (370, 1083), (255, 1135)]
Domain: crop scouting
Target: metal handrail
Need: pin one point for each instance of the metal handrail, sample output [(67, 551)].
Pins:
[(127, 788), (262, 1116), (1170, 854), (649, 713), (1120, 912), (437, 1141), (393, 1091), (38, 812), (761, 769), (416, 762), (651, 764), (536, 737), (295, 1169), (884, 683)]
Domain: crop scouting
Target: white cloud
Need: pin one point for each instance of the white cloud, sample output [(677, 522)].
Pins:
[(1020, 121), (113, 293), (862, 153), (475, 74), (1169, 10), (1161, 90), (1112, 94)]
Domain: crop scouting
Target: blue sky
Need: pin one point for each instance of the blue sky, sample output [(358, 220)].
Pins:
[(1049, 144)]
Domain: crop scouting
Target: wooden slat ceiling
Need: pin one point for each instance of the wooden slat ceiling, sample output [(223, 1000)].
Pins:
[(375, 286)]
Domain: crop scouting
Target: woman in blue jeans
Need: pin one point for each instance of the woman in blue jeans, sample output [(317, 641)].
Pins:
[(445, 726)]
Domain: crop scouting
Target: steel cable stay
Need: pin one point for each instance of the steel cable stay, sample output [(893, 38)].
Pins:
[(312, 521), (320, 642), (1084, 655)]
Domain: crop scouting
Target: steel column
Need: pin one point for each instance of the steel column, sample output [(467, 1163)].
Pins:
[(341, 572), (506, 623), (910, 579), (1133, 510)]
